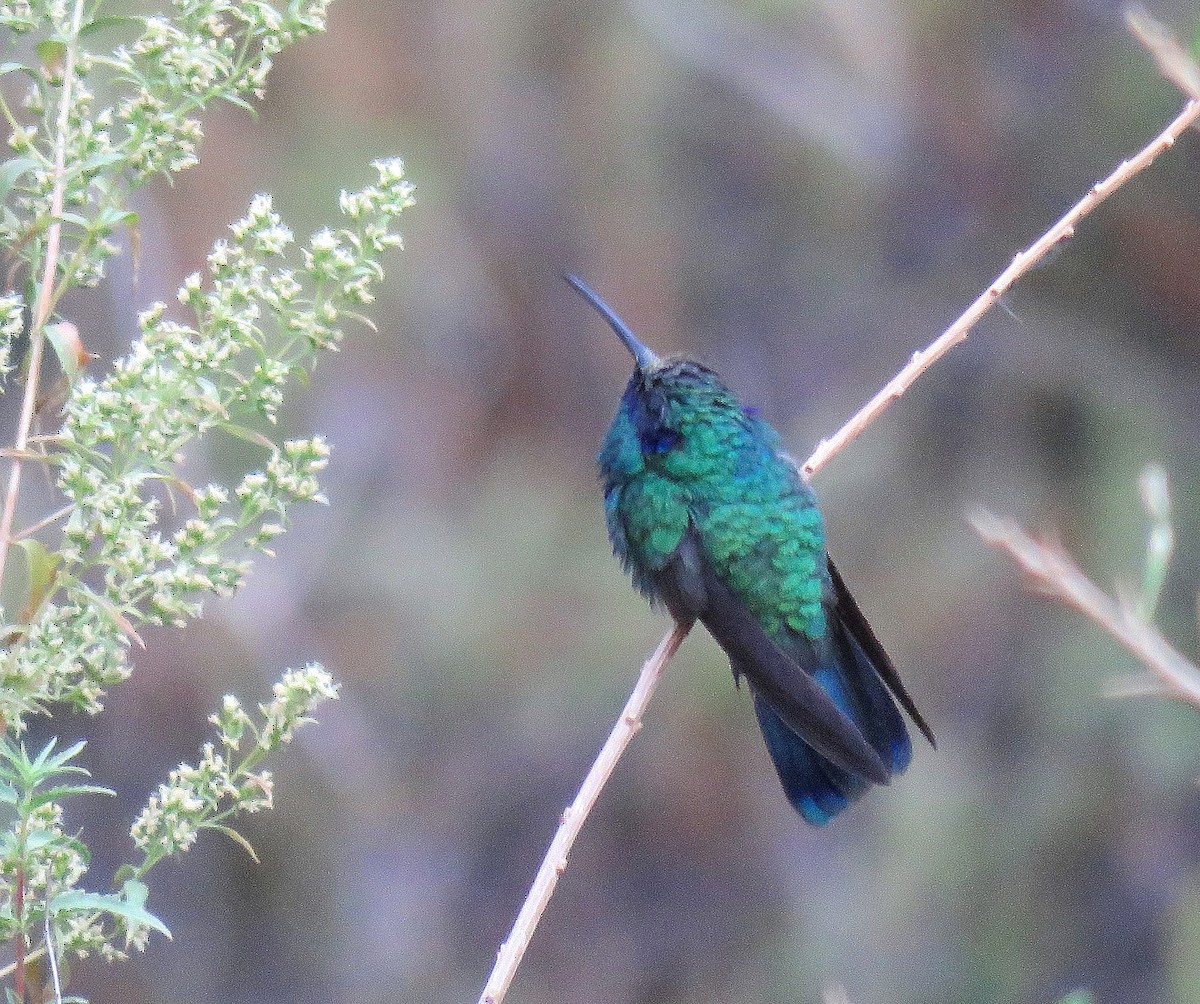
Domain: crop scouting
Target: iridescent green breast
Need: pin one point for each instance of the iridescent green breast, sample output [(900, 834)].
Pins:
[(722, 470)]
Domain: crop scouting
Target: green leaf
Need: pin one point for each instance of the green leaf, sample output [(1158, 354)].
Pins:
[(39, 839), (361, 318), (236, 837), (55, 764), (250, 435), (68, 346), (48, 838), (1078, 997), (11, 171), (128, 906), (8, 794), (112, 217), (52, 52), (112, 21), (99, 160), (41, 567), (62, 791)]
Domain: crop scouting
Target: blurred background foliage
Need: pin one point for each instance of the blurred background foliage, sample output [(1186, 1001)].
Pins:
[(801, 194)]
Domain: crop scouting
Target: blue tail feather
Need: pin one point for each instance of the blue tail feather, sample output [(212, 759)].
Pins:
[(818, 788)]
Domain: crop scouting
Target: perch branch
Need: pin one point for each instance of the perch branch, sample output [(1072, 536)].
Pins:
[(555, 861), (1053, 570), (1022, 263), (552, 866)]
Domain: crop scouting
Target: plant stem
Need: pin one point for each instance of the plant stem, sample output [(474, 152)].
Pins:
[(45, 301), (19, 936), (555, 861), (1021, 263), (1054, 571)]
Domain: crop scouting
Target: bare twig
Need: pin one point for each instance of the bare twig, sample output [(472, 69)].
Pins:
[(45, 299), (555, 861), (1022, 263), (1054, 571), (41, 524), (539, 894)]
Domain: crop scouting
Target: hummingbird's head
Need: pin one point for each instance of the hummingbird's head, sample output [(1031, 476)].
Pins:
[(666, 399)]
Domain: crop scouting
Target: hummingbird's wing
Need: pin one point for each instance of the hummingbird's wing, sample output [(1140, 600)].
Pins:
[(855, 626), (689, 586), (850, 673), (852, 667)]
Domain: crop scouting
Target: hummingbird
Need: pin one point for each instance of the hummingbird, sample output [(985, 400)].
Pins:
[(711, 519)]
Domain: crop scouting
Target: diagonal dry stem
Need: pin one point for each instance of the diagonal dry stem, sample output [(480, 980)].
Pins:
[(555, 861), (1053, 570), (1063, 230)]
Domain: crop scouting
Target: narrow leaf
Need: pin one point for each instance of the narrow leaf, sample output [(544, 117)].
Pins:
[(112, 21), (11, 171), (113, 217), (68, 346), (58, 760), (41, 568), (250, 435), (118, 618), (132, 913), (59, 792), (236, 837)]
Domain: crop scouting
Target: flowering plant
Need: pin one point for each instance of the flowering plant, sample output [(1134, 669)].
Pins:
[(89, 129)]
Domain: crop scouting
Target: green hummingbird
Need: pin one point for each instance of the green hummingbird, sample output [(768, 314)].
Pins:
[(712, 520)]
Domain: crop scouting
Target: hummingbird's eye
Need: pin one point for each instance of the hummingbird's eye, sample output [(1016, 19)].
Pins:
[(660, 440)]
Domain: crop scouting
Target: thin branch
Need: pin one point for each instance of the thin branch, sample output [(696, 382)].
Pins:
[(539, 894), (555, 861), (45, 300), (1053, 570), (41, 524), (1022, 263)]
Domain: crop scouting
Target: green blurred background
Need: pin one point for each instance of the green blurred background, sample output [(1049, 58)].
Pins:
[(800, 194)]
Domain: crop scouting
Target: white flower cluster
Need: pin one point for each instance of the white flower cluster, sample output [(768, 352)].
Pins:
[(202, 796), (60, 868), (59, 864), (294, 698), (209, 49), (205, 50), (74, 651), (12, 323), (259, 322)]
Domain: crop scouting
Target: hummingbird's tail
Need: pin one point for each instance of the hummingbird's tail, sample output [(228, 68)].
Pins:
[(858, 676), (817, 787)]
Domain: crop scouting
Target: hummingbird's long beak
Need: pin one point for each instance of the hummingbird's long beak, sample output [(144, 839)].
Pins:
[(643, 355)]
